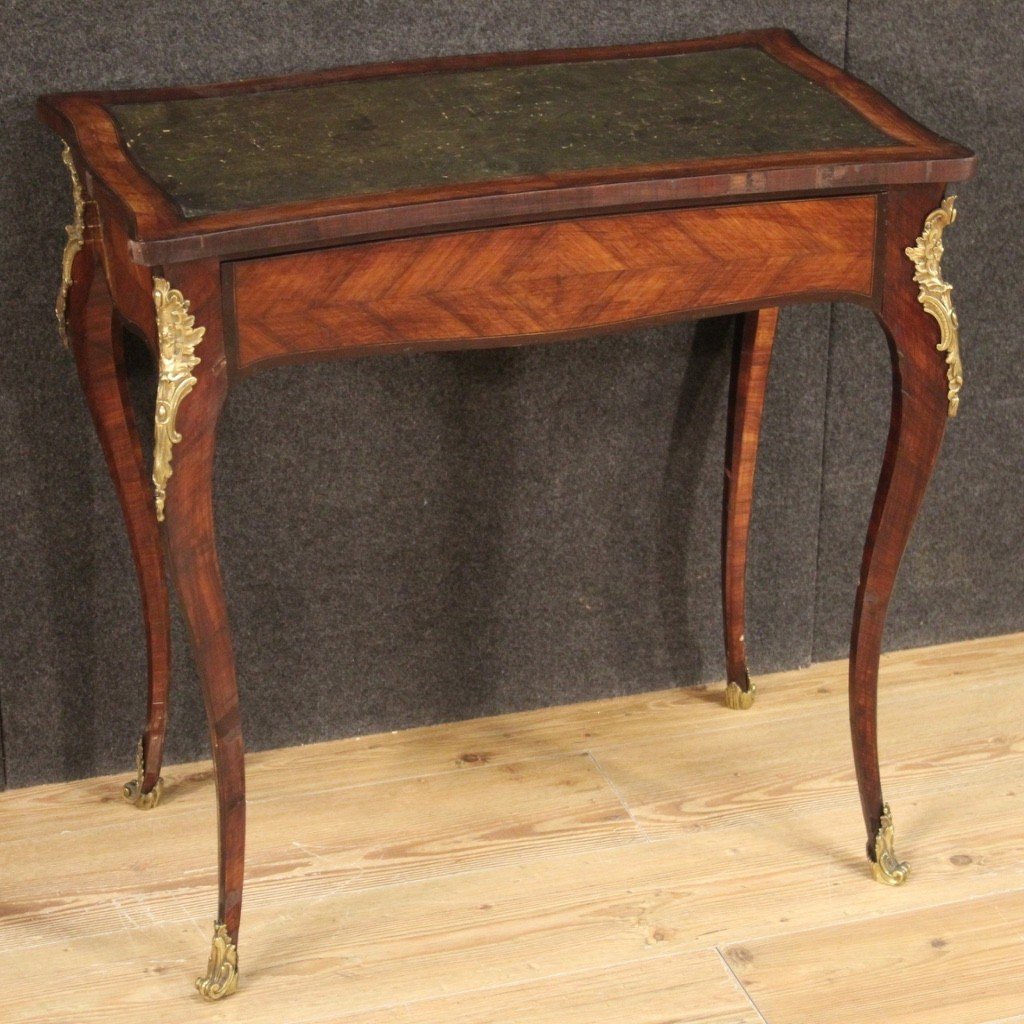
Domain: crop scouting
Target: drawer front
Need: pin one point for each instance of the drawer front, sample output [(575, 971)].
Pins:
[(522, 283)]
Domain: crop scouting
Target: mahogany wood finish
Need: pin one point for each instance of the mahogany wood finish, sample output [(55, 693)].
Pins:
[(192, 554), (520, 283), (130, 284), (503, 262), (751, 358), (96, 334), (917, 424), (160, 234)]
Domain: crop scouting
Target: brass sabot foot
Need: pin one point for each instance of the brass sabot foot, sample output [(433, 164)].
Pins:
[(132, 791), (886, 868), (739, 699), (221, 978)]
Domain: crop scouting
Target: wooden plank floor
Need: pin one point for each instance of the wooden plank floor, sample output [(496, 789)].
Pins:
[(655, 859)]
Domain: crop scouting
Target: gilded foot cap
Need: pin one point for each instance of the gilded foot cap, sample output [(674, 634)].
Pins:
[(739, 699), (885, 867), (132, 792), (221, 978)]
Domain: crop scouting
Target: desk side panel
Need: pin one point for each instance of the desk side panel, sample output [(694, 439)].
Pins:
[(536, 282)]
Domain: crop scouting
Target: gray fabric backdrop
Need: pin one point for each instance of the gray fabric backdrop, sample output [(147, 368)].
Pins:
[(411, 540)]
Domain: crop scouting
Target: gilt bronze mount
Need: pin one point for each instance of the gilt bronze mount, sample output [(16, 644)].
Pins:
[(221, 978), (75, 240), (739, 699), (886, 867), (936, 293), (178, 337), (132, 791)]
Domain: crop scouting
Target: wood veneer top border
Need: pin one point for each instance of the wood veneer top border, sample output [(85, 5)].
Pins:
[(160, 234)]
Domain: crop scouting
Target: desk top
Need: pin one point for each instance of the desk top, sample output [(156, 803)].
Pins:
[(397, 149), (215, 154)]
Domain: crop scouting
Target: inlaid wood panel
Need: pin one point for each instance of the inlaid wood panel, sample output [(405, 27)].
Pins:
[(521, 283)]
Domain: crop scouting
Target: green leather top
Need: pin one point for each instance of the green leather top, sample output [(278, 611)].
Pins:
[(264, 148)]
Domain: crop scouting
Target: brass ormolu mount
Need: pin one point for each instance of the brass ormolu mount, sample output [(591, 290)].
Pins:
[(132, 792), (886, 868), (178, 336), (221, 978), (75, 240), (737, 698), (935, 294)]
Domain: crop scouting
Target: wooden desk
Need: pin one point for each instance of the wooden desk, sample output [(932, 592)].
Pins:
[(480, 201)]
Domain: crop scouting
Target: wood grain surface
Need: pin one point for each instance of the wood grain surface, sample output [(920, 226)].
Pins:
[(564, 278), (977, 943), (917, 423), (748, 382), (96, 334), (531, 908), (191, 545)]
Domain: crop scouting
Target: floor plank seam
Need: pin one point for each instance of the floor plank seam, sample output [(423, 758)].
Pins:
[(739, 985), (1009, 923), (398, 884), (118, 820), (279, 797), (883, 916), (199, 920), (823, 668), (254, 886), (455, 769), (512, 985), (618, 796)]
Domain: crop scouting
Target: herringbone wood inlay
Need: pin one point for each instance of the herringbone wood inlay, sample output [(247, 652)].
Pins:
[(538, 279)]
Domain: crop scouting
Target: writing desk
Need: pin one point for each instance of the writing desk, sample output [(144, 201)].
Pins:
[(483, 201)]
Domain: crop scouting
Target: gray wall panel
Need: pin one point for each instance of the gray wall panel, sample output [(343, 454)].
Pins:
[(956, 67)]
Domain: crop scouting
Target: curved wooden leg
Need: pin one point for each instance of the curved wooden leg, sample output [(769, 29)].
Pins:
[(920, 406), (186, 425), (95, 334), (751, 359)]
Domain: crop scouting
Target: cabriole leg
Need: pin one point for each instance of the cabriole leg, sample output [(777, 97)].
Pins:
[(95, 334), (925, 392), (751, 359), (191, 392)]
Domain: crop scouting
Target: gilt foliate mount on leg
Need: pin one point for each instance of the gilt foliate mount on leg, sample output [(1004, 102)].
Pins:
[(935, 294), (886, 866), (132, 791), (75, 240), (221, 978), (178, 337)]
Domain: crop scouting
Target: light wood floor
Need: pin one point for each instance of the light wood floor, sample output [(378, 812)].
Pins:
[(645, 860)]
